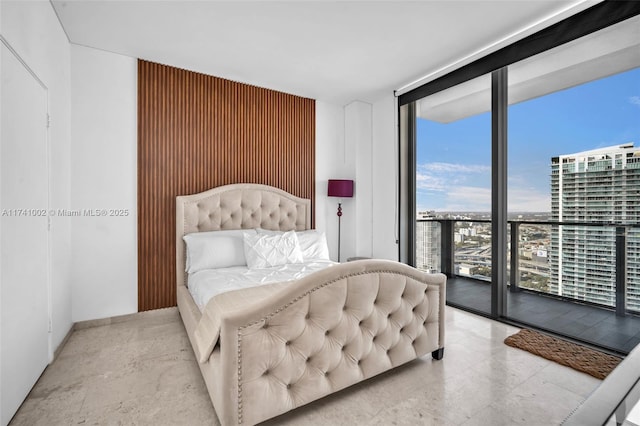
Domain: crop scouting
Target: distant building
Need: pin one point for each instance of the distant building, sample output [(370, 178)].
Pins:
[(539, 255), (469, 232), (465, 269), (600, 186), (425, 215), (428, 245)]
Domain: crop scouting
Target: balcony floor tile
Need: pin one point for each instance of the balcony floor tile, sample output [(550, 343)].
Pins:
[(588, 323)]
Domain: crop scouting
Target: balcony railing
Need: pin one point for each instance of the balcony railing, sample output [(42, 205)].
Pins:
[(596, 263)]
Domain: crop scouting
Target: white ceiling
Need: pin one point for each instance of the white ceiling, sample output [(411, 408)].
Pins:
[(335, 51)]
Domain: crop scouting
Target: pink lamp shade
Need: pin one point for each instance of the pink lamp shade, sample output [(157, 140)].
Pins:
[(340, 188)]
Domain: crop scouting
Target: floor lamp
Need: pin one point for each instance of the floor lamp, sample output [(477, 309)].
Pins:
[(344, 189)]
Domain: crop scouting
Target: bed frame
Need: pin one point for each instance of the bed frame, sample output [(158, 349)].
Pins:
[(267, 350)]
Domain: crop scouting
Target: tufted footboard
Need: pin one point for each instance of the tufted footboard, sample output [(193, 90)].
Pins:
[(321, 334)]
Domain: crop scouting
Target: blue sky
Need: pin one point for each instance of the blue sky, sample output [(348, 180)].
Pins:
[(454, 160)]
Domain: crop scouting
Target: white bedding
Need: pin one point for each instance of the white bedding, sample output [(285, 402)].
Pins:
[(205, 284)]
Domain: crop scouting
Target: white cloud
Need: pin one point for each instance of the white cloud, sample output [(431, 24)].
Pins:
[(462, 187), (429, 182), (476, 199), (454, 168), (441, 176), (635, 100), (451, 186)]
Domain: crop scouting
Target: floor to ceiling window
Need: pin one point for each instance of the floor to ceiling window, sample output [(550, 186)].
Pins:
[(573, 182), (453, 183), (521, 178)]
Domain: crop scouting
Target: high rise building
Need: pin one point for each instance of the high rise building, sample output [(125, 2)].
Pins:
[(597, 186), (428, 245)]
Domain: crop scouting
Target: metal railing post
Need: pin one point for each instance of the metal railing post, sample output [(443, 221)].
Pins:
[(447, 248), (621, 270), (514, 274)]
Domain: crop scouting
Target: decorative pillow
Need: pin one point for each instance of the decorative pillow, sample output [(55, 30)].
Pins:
[(215, 249), (313, 244), (265, 250)]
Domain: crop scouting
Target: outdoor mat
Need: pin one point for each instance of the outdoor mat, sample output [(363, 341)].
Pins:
[(581, 358)]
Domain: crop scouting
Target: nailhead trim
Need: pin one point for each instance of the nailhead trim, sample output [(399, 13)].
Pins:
[(239, 376)]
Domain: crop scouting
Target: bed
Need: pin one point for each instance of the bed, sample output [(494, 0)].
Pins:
[(268, 349)]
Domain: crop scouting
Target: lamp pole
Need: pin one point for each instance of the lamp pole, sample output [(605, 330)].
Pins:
[(339, 220)]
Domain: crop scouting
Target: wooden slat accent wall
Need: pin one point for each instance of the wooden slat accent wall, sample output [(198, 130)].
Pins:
[(196, 132)]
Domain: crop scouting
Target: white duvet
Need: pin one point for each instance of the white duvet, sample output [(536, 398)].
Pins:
[(205, 284)]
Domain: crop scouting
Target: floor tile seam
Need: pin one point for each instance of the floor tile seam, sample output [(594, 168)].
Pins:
[(509, 387), (499, 408), (579, 397), (471, 417), (572, 372)]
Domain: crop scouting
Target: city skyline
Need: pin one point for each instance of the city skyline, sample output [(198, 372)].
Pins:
[(454, 175), (575, 261)]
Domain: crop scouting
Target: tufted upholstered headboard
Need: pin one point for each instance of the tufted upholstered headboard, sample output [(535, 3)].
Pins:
[(237, 206)]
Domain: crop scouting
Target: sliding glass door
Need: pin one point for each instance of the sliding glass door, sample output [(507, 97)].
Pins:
[(574, 185), (453, 190)]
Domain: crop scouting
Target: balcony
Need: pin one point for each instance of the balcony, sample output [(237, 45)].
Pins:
[(589, 293)]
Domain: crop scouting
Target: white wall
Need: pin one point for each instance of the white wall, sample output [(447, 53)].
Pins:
[(384, 178), (358, 135), (331, 163), (104, 177), (358, 141), (33, 31), (94, 168)]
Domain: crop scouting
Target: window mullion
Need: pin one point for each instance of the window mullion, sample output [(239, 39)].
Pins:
[(499, 105)]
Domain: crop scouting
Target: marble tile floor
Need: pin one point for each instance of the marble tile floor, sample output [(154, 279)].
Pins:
[(143, 372)]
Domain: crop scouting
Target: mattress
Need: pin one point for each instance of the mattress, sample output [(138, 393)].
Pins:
[(206, 284)]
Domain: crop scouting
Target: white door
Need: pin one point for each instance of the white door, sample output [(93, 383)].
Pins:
[(24, 299)]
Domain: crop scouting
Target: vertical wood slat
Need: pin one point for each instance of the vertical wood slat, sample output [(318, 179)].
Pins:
[(196, 132)]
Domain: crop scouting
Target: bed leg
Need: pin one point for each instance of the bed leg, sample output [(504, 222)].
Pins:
[(438, 354)]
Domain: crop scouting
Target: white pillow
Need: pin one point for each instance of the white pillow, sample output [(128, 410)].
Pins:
[(313, 244), (215, 249), (269, 231), (273, 249)]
